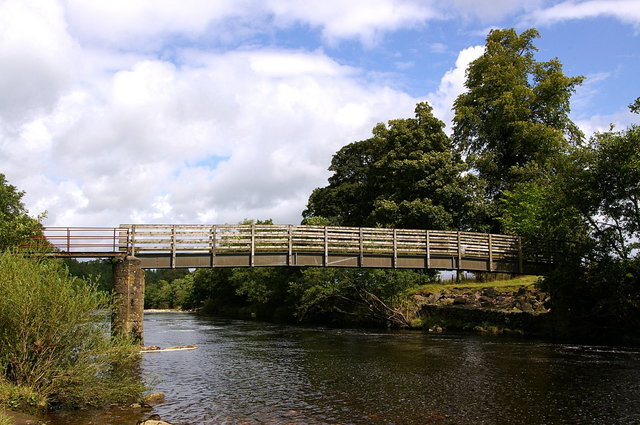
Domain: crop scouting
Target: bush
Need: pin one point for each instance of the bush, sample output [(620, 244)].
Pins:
[(54, 338)]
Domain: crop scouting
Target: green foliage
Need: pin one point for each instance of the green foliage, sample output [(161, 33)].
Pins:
[(515, 111), (248, 221), (596, 285), (406, 175), (55, 340), (635, 106), (175, 294), (355, 296), (212, 293), (16, 226), (5, 420), (99, 271), (22, 398), (544, 211), (612, 178)]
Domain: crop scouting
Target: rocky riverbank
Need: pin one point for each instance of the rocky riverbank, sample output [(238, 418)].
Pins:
[(494, 310), (138, 413)]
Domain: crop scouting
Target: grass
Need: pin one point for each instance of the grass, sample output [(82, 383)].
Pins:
[(5, 420), (503, 284)]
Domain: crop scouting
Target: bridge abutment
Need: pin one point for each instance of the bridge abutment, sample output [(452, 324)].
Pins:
[(128, 283)]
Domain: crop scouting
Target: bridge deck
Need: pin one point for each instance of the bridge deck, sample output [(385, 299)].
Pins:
[(173, 246)]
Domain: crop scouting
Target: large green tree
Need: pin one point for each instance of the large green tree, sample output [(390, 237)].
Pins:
[(592, 206), (16, 226), (406, 175), (514, 117)]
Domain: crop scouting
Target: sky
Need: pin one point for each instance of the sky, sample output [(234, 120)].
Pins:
[(213, 111)]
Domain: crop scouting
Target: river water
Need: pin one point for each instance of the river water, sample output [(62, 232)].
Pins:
[(248, 372)]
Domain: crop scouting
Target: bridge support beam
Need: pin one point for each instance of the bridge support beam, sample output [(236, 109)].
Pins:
[(128, 283)]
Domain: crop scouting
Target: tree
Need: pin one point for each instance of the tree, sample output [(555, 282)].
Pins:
[(406, 175), (635, 106), (348, 296), (16, 226), (613, 176), (515, 112), (593, 204), (100, 271)]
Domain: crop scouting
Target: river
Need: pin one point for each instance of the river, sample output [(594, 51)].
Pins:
[(247, 372)]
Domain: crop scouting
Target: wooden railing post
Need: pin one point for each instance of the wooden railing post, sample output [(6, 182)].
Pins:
[(253, 244), (326, 246), (173, 247), (361, 248), (290, 245), (490, 253), (212, 244), (520, 259), (395, 248), (459, 251), (428, 250), (133, 241)]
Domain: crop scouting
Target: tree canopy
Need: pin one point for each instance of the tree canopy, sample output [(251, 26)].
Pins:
[(406, 175), (15, 223), (515, 111)]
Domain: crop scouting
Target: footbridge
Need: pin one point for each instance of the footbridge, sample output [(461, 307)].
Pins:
[(135, 247), (203, 246)]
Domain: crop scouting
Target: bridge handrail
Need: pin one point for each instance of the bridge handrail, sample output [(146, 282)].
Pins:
[(174, 239), (264, 238)]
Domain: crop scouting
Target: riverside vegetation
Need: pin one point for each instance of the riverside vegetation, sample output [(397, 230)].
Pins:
[(515, 164), (55, 347)]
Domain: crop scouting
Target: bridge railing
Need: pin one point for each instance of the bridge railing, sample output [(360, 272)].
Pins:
[(324, 242), (77, 241), (141, 239)]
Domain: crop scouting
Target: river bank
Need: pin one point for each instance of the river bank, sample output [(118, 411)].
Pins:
[(516, 307), (18, 418)]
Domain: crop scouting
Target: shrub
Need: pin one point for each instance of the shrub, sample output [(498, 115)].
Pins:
[(54, 337)]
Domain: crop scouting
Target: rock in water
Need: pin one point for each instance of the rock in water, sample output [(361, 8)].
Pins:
[(153, 399)]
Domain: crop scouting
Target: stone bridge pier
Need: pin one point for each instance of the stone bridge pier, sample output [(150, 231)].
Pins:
[(128, 314)]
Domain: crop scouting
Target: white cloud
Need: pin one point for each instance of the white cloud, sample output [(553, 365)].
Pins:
[(365, 20), (131, 146), (35, 51), (148, 23), (452, 85), (627, 11), (602, 122)]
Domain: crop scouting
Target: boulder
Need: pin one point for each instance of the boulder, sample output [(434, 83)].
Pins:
[(153, 399), (153, 420), (460, 300)]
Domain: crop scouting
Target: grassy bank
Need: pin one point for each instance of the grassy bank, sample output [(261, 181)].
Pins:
[(502, 284), (509, 306)]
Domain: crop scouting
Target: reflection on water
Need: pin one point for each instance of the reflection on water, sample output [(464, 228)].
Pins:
[(254, 373)]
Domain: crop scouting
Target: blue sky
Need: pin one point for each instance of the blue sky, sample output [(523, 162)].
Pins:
[(212, 111)]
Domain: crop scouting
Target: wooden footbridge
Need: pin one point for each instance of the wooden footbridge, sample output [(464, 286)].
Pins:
[(200, 246)]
